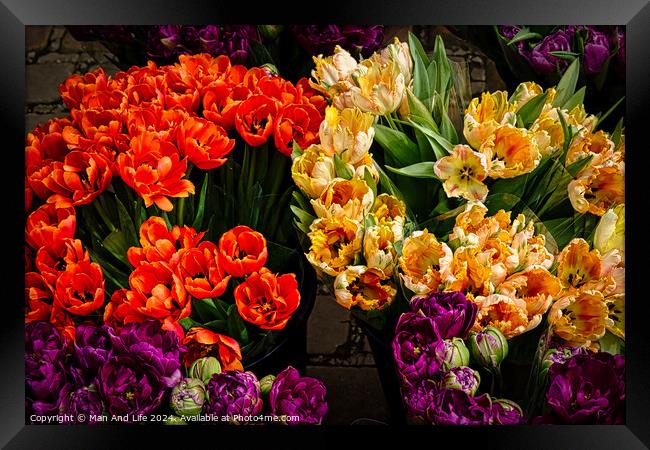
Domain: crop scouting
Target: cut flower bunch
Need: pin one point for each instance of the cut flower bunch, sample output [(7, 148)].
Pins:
[(159, 201), (507, 233)]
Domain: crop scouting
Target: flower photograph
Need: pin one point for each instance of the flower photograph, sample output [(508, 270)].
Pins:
[(302, 225)]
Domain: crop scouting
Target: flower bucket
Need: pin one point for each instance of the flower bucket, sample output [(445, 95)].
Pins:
[(383, 355)]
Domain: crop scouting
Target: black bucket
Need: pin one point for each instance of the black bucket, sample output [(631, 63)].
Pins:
[(380, 344)]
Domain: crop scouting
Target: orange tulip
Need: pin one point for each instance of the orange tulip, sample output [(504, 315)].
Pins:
[(220, 103), (38, 297), (297, 123), (154, 169), (80, 288), (203, 143), (82, 177), (200, 273), (254, 119), (242, 251), (55, 257), (266, 300), (52, 221), (156, 293), (202, 342), (116, 310)]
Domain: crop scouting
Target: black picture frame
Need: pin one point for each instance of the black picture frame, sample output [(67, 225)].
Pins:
[(16, 14)]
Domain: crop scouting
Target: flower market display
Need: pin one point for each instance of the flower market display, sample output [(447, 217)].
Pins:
[(179, 218), (482, 259), (119, 284)]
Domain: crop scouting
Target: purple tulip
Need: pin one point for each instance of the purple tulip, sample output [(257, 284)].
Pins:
[(418, 398), (296, 396), (153, 346), (43, 342), (451, 311), (418, 349), (597, 50), (587, 389), (463, 378), (234, 392), (86, 401), (46, 386), (128, 386), (456, 407), (164, 41), (506, 412), (540, 57), (92, 348), (322, 39)]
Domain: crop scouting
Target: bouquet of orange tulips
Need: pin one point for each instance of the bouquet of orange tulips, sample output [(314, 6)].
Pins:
[(162, 196)]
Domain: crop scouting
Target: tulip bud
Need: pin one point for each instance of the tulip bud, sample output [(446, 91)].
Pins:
[(175, 420), (456, 353), (203, 369), (187, 397), (506, 412), (271, 32), (265, 385), (488, 347), (271, 69), (463, 378)]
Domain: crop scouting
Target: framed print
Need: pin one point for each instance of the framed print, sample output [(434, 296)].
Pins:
[(280, 227)]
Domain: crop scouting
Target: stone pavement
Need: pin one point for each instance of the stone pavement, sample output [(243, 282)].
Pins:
[(338, 352)]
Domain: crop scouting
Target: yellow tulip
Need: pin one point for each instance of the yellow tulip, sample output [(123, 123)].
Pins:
[(335, 242), (378, 87), (425, 262), (363, 287), (344, 198), (463, 173), (313, 171), (610, 231), (484, 116), (510, 152), (347, 133), (378, 248)]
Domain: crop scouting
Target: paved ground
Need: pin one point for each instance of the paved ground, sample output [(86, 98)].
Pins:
[(338, 352)]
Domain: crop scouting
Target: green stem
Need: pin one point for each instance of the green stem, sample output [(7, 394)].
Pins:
[(396, 121), (103, 215), (180, 212), (391, 122)]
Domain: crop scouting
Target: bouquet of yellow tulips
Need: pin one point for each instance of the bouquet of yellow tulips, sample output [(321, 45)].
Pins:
[(486, 210)]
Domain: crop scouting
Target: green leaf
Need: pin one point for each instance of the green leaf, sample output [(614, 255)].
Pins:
[(421, 85), (447, 130), (221, 307), (126, 223), (236, 326), (444, 81), (342, 170), (576, 99), (569, 56), (611, 343), (187, 323), (296, 151), (302, 200), (567, 85), (609, 111), (568, 136), (415, 47), (419, 112), (200, 211), (523, 35), (418, 170), (575, 168), (370, 181), (532, 109), (205, 309), (303, 216), (397, 144), (441, 146), (116, 243), (617, 133)]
